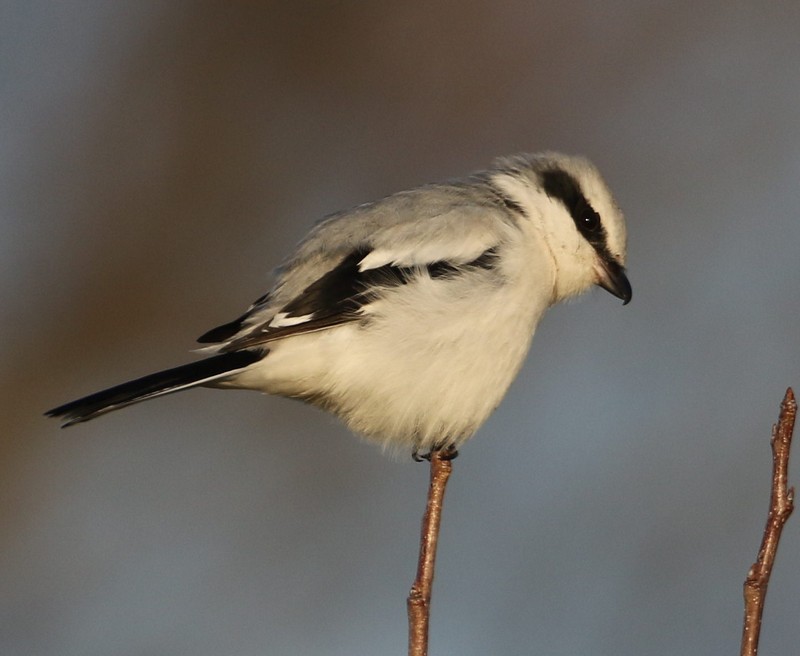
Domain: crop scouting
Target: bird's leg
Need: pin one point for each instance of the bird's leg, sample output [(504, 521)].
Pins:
[(448, 452)]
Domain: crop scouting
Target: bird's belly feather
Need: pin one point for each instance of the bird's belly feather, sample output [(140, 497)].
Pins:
[(423, 369)]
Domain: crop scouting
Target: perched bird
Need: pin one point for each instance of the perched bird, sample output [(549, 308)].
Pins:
[(410, 316)]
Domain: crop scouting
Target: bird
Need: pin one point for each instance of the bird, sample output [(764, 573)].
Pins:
[(410, 316)]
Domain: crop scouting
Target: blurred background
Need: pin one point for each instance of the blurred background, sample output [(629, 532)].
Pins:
[(157, 161)]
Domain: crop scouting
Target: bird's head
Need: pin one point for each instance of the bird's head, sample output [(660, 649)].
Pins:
[(579, 220)]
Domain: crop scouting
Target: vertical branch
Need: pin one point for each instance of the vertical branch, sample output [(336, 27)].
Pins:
[(780, 507), (419, 599)]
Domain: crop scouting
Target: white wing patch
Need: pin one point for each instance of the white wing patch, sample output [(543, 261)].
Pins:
[(283, 320), (447, 239)]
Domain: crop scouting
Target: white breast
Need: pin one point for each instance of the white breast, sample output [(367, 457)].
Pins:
[(432, 359)]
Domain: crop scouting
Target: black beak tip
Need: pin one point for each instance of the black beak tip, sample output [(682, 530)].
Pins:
[(615, 281), (622, 289), (627, 295)]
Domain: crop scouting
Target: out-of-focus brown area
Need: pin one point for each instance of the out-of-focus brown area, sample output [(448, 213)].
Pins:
[(158, 161)]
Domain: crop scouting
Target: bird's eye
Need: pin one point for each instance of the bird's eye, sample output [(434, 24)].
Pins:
[(590, 220)]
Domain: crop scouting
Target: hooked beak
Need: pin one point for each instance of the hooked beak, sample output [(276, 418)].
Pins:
[(611, 277)]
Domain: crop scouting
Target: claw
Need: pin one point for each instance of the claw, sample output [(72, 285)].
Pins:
[(419, 458), (448, 452)]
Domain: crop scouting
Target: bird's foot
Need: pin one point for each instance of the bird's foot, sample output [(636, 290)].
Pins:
[(448, 452)]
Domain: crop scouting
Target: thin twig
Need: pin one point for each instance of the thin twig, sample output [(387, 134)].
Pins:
[(781, 505), (419, 599)]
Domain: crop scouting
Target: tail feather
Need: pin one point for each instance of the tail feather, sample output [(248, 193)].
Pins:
[(157, 384)]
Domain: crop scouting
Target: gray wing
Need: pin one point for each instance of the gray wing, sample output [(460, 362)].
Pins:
[(436, 231)]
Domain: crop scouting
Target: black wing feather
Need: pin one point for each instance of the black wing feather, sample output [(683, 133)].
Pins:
[(338, 295), (223, 332)]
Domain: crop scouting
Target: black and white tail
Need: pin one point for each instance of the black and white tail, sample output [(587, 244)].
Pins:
[(158, 384)]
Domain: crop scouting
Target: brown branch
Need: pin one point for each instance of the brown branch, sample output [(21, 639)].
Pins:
[(419, 599), (781, 504)]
